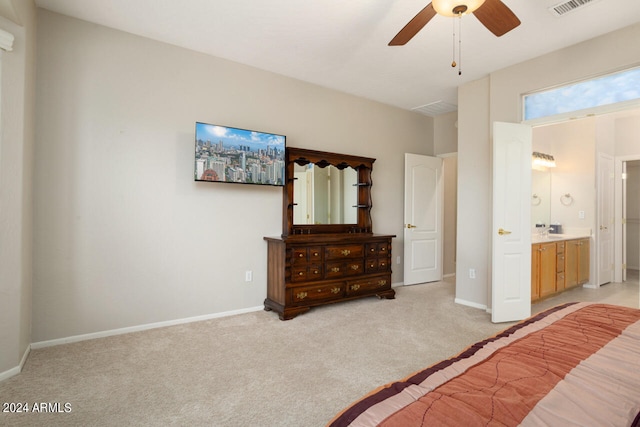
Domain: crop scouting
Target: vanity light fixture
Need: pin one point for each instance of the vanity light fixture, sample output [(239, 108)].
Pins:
[(541, 161)]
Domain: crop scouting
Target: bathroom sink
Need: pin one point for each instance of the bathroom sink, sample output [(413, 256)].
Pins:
[(537, 238)]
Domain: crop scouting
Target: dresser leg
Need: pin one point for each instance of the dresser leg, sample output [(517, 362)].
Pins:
[(389, 294), (290, 313)]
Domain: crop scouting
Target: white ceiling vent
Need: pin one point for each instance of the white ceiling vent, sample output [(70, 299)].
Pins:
[(569, 6), (435, 108)]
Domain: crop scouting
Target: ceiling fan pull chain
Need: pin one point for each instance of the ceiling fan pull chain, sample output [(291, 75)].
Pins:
[(460, 44), (453, 62)]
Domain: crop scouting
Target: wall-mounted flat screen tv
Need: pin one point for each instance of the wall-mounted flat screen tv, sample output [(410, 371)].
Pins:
[(227, 154)]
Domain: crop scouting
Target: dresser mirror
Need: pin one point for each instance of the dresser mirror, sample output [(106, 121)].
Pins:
[(326, 193)]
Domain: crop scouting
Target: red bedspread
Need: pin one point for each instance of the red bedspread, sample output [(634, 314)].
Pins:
[(576, 364)]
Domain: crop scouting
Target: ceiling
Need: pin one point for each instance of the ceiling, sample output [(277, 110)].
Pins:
[(343, 45)]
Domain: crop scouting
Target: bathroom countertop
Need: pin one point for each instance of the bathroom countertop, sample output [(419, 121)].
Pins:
[(536, 238)]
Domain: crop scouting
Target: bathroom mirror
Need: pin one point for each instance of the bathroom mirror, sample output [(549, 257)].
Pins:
[(540, 197), (324, 195)]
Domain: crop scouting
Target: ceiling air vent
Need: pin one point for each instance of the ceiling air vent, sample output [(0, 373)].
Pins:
[(435, 108), (569, 6)]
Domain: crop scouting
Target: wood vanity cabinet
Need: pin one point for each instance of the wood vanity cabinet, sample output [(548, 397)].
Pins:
[(577, 265), (560, 266), (316, 264), (543, 270), (556, 266), (307, 271)]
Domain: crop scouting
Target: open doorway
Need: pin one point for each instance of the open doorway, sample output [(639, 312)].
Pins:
[(631, 222)]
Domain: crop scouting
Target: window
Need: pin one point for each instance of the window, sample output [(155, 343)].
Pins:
[(589, 96)]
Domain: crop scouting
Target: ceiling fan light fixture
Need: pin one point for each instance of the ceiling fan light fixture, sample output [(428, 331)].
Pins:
[(456, 7)]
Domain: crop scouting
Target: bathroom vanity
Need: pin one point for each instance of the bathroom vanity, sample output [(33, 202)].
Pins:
[(558, 262)]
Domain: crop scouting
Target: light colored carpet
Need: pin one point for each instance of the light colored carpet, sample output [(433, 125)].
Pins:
[(253, 369)]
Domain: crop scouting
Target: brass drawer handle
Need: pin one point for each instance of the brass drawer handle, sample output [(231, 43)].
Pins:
[(315, 272), (372, 250), (345, 252), (355, 287), (301, 295), (383, 249), (335, 290), (382, 282), (355, 267), (372, 265), (301, 273), (300, 255), (335, 269), (316, 254)]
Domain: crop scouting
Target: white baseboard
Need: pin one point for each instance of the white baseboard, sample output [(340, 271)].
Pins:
[(120, 331), (395, 285), (15, 371), (470, 304), (449, 275)]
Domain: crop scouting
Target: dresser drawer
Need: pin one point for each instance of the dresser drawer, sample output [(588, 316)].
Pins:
[(374, 265), (343, 251), (316, 293), (377, 249), (306, 273), (369, 285), (342, 269), (306, 254)]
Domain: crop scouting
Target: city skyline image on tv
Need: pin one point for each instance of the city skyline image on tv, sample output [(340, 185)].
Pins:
[(234, 155)]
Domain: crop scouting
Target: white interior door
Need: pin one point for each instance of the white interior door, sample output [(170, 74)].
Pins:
[(511, 228), (604, 229), (423, 210)]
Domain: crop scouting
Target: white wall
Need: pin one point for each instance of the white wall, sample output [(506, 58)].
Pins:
[(474, 196), (627, 131), (123, 235), (502, 99), (445, 133), (17, 115)]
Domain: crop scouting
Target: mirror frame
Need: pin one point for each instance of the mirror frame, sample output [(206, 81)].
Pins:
[(301, 156)]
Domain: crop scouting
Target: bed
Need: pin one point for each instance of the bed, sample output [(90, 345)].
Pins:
[(577, 364)]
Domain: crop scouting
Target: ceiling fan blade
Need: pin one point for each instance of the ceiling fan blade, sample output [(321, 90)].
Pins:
[(413, 26), (497, 17)]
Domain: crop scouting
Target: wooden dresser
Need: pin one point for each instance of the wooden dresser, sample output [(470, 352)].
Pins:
[(320, 260), (306, 271)]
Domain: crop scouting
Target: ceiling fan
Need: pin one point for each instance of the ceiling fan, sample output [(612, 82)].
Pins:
[(493, 14)]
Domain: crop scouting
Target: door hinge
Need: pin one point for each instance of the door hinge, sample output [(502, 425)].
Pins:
[(624, 266)]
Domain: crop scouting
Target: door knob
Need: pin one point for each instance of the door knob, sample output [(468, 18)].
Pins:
[(503, 232), (411, 226)]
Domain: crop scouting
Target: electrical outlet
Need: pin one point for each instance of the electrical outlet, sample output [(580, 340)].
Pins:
[(248, 276), (580, 214), (472, 273)]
